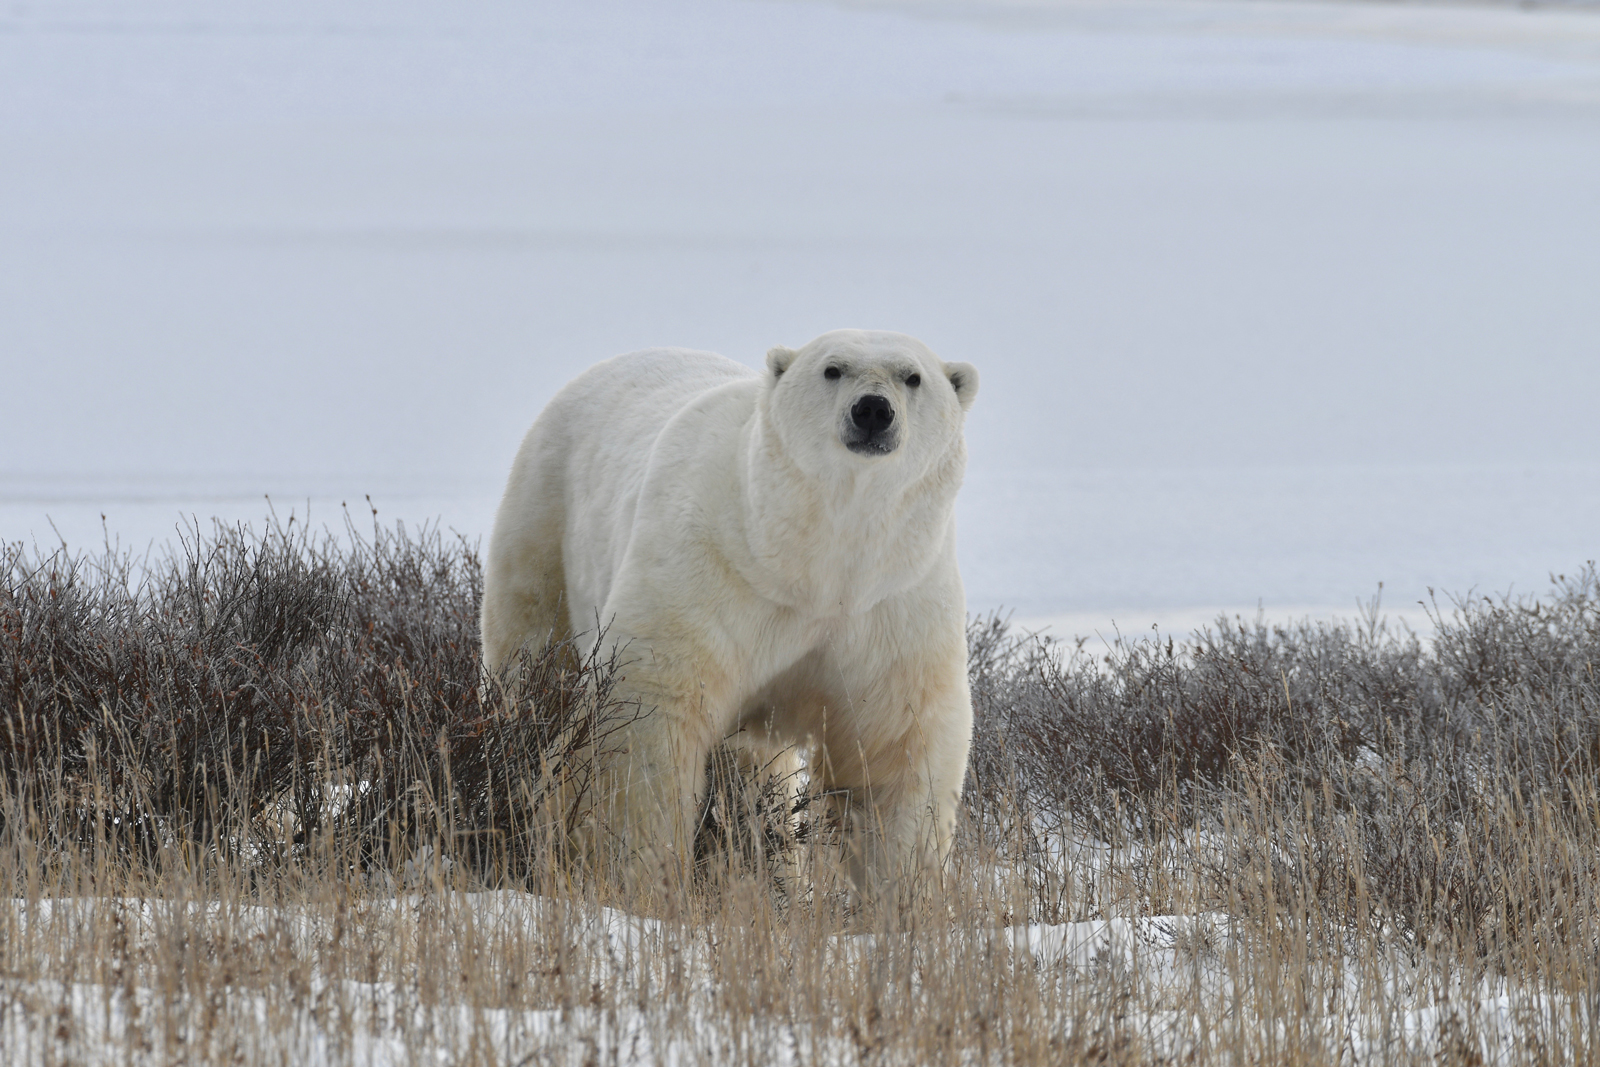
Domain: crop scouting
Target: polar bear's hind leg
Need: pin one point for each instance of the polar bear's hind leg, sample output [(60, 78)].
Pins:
[(524, 582)]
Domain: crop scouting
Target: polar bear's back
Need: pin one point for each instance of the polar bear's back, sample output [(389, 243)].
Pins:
[(576, 480)]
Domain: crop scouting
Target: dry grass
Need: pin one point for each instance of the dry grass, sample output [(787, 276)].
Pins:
[(254, 810)]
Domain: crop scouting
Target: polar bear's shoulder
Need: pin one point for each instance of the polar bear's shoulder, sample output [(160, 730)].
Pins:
[(605, 424), (662, 374)]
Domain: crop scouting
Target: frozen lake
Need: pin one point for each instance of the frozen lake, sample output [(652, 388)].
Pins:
[(1272, 301)]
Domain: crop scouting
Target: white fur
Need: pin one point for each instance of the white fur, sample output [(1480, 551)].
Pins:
[(757, 574)]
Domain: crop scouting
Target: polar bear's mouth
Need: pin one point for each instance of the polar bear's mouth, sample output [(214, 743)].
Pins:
[(878, 446)]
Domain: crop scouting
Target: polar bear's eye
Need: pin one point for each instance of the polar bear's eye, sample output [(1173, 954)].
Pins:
[(914, 381), (832, 374)]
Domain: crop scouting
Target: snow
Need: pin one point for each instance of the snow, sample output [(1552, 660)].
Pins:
[(1182, 971), (1273, 301)]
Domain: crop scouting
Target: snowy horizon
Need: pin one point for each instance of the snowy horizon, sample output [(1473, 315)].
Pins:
[(1272, 302)]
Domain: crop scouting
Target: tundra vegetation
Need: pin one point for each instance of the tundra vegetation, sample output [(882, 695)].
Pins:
[(256, 810)]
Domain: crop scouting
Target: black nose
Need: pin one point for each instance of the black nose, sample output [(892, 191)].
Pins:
[(872, 413)]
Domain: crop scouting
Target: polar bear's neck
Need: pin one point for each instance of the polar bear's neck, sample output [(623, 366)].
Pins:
[(837, 546)]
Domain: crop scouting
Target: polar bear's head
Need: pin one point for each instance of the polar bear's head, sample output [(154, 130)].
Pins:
[(869, 395)]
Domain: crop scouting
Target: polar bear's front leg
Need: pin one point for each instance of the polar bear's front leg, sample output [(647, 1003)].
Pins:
[(901, 752), (651, 773), (904, 829)]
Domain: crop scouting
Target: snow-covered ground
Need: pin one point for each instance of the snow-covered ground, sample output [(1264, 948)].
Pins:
[(1273, 301), (1188, 980)]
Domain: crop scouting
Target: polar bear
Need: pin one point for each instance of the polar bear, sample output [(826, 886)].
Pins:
[(772, 557)]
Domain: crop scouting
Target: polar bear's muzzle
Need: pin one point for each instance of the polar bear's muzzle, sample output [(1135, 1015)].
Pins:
[(870, 430)]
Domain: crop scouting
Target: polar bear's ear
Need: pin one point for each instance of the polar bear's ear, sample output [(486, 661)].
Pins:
[(778, 360), (964, 379)]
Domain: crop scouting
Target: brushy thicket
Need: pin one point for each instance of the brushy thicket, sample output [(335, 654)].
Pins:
[(1439, 787), (278, 696), (255, 695)]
